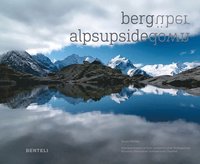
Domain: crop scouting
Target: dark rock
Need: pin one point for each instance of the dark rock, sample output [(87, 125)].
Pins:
[(94, 73), (188, 81)]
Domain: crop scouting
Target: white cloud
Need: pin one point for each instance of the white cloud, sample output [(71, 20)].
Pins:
[(95, 135), (190, 52), (138, 65), (159, 91), (42, 26)]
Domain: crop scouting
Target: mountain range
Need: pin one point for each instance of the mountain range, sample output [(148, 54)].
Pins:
[(78, 75), (92, 70), (41, 65), (168, 69), (74, 59)]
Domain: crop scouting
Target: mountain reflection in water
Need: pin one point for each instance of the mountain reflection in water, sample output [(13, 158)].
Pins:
[(152, 103), (90, 124)]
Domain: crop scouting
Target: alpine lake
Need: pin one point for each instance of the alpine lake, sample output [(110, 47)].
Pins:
[(90, 125)]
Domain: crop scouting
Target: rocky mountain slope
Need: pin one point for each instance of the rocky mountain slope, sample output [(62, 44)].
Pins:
[(187, 79), (95, 73), (23, 62), (10, 77), (45, 63)]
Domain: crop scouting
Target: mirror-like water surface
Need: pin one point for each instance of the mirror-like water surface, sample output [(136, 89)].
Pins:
[(86, 125)]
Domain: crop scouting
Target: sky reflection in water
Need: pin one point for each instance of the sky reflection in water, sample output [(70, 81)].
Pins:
[(94, 132)]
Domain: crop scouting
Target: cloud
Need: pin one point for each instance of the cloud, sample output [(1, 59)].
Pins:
[(190, 52), (73, 138), (138, 65), (42, 26)]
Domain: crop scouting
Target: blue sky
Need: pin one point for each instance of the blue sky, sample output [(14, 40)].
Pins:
[(142, 52)]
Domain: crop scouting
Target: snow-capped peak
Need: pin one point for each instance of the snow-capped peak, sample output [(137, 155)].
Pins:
[(23, 62), (169, 69), (91, 59), (125, 65), (120, 63)]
